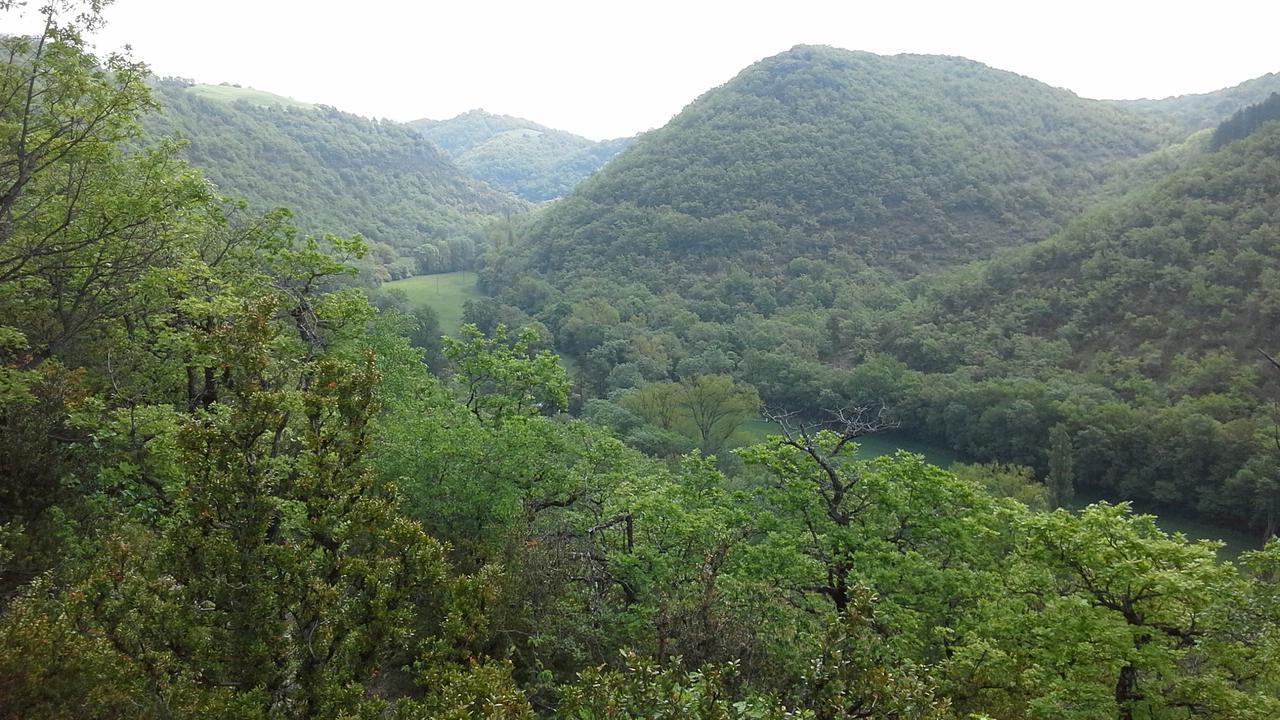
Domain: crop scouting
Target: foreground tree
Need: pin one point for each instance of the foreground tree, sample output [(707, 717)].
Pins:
[(278, 578), (1106, 616), (187, 401), (82, 225), (926, 543), (498, 380)]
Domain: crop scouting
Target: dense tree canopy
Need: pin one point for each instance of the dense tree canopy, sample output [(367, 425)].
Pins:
[(900, 161), (1246, 121), (231, 488)]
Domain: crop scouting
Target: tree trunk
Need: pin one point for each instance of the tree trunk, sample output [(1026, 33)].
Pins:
[(1126, 691)]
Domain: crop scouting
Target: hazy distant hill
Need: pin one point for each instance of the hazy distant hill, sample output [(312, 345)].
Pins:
[(338, 172), (1194, 112), (533, 161), (907, 161)]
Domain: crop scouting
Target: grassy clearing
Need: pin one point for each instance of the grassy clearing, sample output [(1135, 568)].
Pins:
[(229, 93), (444, 292)]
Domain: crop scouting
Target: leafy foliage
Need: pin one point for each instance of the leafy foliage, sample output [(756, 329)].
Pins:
[(707, 408), (500, 380), (231, 488)]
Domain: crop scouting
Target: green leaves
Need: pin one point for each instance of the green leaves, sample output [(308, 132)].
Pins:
[(709, 409), (1102, 613), (648, 690), (499, 379)]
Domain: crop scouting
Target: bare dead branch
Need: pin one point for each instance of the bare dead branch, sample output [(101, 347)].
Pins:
[(1268, 357)]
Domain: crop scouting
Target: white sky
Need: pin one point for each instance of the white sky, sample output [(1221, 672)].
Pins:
[(605, 68)]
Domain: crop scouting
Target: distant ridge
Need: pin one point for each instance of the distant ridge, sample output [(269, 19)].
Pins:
[(1195, 112), (233, 93), (533, 161), (338, 172)]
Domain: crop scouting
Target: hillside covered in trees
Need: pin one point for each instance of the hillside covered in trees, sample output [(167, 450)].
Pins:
[(1138, 327), (533, 161), (231, 486), (337, 172), (1147, 310)]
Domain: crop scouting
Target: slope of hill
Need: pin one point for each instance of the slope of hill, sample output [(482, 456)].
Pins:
[(338, 172), (1138, 327), (533, 161), (904, 161), (1183, 267)]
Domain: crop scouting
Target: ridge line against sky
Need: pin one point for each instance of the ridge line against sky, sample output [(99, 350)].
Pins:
[(607, 70)]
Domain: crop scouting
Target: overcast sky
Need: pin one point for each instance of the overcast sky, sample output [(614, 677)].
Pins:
[(607, 69)]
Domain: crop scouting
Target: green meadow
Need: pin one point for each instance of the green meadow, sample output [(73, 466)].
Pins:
[(231, 93), (443, 292)]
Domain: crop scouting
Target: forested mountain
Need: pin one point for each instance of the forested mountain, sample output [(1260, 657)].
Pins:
[(336, 171), (1187, 113), (1135, 329), (531, 160), (904, 162)]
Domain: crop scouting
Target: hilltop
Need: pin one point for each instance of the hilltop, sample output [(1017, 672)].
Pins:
[(905, 162)]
